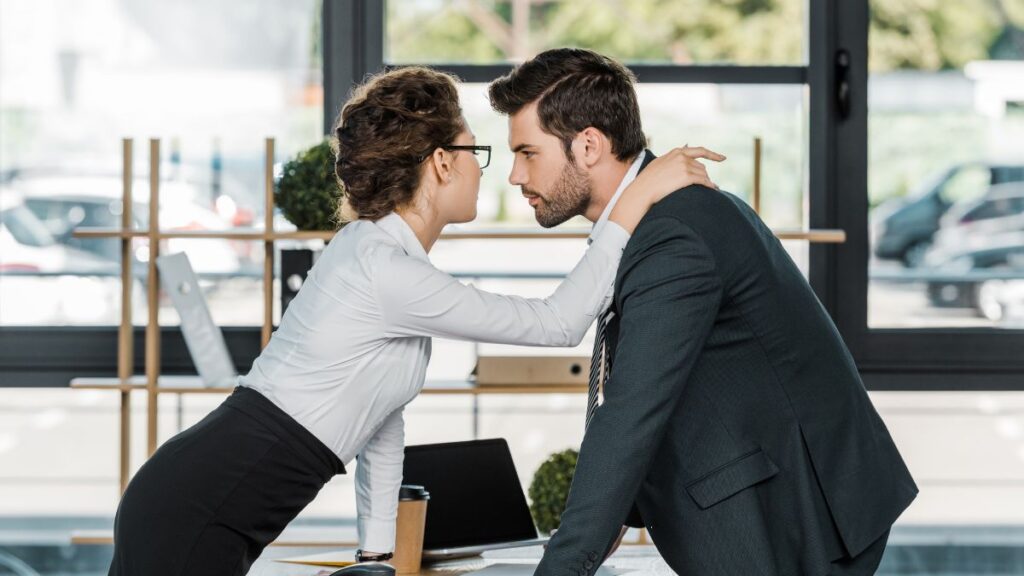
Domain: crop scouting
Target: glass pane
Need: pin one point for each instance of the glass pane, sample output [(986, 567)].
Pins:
[(109, 70), (662, 31), (946, 167), (724, 118)]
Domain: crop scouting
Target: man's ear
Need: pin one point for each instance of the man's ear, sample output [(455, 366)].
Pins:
[(591, 144), (441, 161)]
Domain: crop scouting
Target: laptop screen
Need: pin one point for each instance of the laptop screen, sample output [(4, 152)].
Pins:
[(475, 496)]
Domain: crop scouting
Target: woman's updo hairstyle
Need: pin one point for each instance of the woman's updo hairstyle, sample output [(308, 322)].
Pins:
[(385, 130)]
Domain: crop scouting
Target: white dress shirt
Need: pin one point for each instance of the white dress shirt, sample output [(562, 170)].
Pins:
[(630, 175), (353, 346), (627, 179)]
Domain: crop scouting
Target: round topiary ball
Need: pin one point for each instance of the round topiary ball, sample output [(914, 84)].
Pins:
[(549, 489), (308, 191)]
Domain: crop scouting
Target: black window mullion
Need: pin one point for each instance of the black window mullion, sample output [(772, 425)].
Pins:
[(821, 157), (353, 46), (850, 191)]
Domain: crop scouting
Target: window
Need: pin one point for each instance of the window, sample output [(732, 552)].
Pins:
[(676, 51), (112, 70), (651, 31), (723, 117), (927, 283), (80, 76)]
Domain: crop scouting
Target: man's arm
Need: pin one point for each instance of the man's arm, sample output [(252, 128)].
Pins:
[(668, 300)]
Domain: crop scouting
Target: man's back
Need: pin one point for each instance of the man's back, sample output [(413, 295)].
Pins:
[(772, 401)]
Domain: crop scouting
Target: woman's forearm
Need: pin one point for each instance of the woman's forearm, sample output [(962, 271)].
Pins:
[(631, 207), (679, 168)]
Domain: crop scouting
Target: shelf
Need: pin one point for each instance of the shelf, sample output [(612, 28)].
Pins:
[(815, 235), (255, 235), (192, 385), (489, 234)]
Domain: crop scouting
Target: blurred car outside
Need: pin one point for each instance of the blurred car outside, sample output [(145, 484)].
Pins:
[(43, 282), (903, 228)]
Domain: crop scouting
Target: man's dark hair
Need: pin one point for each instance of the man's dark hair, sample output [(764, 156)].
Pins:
[(574, 89)]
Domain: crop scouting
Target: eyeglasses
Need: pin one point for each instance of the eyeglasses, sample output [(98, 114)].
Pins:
[(476, 150)]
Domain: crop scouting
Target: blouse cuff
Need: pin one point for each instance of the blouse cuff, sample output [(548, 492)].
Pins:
[(376, 535), (612, 238)]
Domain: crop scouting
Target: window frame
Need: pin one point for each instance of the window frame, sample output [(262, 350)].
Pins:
[(353, 35), (928, 359), (919, 359)]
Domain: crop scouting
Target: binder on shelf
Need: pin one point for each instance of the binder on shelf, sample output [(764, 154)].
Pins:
[(532, 370)]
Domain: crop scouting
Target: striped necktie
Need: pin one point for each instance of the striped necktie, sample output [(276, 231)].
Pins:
[(600, 364)]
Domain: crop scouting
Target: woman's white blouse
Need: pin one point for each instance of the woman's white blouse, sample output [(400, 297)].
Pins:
[(352, 348)]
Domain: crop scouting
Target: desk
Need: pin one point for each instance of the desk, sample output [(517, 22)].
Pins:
[(309, 537), (639, 560)]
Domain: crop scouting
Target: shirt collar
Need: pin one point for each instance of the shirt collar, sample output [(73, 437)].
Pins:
[(634, 169), (396, 227)]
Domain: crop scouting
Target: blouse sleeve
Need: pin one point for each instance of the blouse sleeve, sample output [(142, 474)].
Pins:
[(417, 299)]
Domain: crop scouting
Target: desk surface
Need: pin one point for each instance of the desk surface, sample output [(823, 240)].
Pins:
[(639, 560), (319, 537)]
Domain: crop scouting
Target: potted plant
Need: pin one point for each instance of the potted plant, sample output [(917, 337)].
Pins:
[(307, 194), (307, 191), (549, 489)]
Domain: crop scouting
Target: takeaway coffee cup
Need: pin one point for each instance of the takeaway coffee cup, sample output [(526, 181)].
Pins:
[(412, 519)]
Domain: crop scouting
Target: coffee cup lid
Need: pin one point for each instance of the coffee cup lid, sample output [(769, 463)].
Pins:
[(413, 492)]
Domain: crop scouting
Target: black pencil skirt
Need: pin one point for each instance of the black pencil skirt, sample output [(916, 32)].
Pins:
[(211, 498)]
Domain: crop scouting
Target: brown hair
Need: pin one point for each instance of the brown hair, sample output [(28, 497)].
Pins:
[(576, 89), (389, 125)]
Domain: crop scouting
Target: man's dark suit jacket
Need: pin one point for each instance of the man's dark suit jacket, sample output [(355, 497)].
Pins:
[(734, 416)]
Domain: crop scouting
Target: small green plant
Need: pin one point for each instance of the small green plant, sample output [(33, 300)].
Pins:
[(549, 489), (308, 191)]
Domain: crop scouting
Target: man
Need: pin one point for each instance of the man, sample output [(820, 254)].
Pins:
[(735, 426)]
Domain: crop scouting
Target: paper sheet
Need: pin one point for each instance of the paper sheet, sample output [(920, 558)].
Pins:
[(527, 570)]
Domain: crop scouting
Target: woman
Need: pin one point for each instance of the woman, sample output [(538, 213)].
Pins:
[(353, 347)]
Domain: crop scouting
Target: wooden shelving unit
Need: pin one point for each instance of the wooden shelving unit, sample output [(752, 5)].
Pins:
[(155, 384)]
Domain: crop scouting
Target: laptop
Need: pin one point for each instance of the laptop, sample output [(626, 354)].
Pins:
[(476, 501), (204, 339)]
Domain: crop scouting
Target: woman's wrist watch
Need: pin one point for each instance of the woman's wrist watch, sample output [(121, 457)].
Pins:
[(370, 557)]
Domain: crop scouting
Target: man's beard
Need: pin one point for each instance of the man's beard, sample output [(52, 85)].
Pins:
[(569, 197)]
